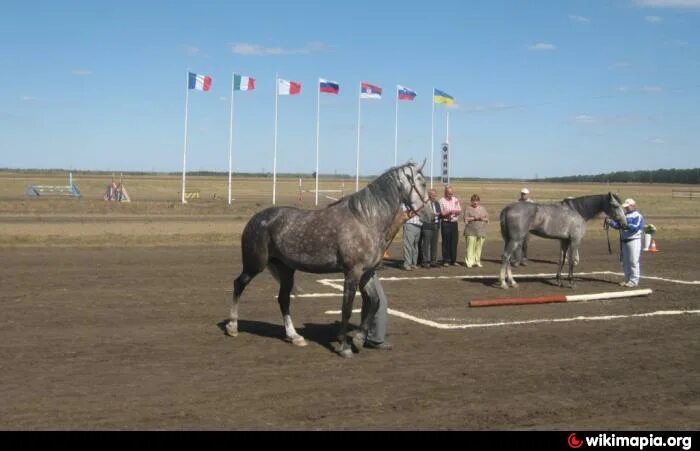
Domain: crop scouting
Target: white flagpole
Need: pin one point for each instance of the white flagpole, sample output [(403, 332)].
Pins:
[(184, 152), (449, 151), (432, 138), (274, 158), (318, 124), (396, 128), (230, 140), (357, 166)]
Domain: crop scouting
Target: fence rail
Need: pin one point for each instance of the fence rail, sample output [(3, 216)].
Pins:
[(685, 193)]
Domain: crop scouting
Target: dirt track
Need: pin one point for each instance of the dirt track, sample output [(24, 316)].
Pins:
[(131, 339)]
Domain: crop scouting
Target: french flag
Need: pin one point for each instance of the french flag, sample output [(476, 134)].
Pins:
[(368, 91), (327, 86), (404, 93), (199, 82)]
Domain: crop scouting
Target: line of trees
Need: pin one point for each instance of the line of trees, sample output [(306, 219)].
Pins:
[(686, 176)]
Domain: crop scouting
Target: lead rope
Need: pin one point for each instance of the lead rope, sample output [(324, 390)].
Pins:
[(606, 226)]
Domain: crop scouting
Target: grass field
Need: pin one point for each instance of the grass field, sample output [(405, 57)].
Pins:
[(156, 217)]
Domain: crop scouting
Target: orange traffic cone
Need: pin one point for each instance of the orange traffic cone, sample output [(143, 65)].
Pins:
[(386, 254), (653, 248)]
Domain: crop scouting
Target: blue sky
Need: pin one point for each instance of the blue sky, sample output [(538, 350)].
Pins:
[(544, 88)]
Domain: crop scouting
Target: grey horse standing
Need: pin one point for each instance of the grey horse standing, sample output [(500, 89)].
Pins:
[(348, 236), (565, 221)]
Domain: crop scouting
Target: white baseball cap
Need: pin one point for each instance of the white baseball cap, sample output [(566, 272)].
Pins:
[(525, 191), (629, 202)]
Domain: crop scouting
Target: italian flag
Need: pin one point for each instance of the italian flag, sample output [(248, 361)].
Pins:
[(242, 83), (288, 88)]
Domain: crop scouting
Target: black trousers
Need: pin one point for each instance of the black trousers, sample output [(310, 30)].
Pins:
[(450, 236), (521, 254)]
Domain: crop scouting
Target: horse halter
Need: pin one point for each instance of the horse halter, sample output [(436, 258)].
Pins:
[(411, 180)]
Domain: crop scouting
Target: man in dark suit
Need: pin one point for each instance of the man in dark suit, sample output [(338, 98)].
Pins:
[(429, 233)]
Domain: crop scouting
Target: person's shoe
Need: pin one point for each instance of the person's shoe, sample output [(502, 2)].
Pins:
[(515, 264), (524, 263), (623, 284), (467, 265), (434, 265), (384, 346), (445, 264), (425, 265), (454, 264), (630, 284), (407, 268), (479, 265)]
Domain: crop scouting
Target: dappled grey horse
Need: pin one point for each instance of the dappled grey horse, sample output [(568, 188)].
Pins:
[(348, 236), (565, 221)]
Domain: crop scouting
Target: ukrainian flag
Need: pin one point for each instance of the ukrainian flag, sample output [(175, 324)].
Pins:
[(442, 97)]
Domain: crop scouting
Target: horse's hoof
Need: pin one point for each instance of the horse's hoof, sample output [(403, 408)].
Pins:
[(232, 329), (504, 286), (514, 284), (358, 341), (345, 353), (297, 341)]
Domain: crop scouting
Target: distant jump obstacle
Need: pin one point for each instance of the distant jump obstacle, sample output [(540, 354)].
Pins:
[(559, 298), (69, 190), (324, 191), (116, 192), (190, 195)]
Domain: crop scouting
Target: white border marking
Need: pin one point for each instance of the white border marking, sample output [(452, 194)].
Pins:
[(330, 282), (532, 321)]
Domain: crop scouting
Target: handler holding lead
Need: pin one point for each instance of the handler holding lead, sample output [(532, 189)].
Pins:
[(630, 242)]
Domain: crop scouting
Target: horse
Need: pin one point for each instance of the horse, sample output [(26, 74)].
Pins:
[(565, 221), (348, 236)]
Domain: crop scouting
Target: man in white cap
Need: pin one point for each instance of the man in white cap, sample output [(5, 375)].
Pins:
[(520, 257), (525, 195), (630, 242)]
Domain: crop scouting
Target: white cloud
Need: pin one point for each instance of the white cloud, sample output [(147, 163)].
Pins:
[(28, 98), (497, 106), (192, 50), (81, 72), (542, 46), (584, 119), (579, 19), (657, 141), (611, 120), (669, 3), (247, 49), (623, 88), (620, 65), (652, 88), (653, 19)]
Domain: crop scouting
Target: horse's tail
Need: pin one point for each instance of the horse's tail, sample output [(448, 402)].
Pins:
[(504, 224), (255, 241)]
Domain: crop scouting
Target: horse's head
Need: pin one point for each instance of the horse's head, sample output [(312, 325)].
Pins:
[(614, 209), (414, 190)]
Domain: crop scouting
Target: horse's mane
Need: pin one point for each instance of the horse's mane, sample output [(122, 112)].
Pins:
[(588, 206), (379, 197)]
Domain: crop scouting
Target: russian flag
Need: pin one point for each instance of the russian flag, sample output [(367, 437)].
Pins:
[(404, 93), (330, 87), (199, 82), (368, 91)]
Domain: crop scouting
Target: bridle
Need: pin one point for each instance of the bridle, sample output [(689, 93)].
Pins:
[(412, 182)]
